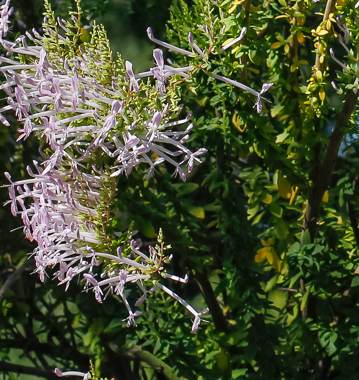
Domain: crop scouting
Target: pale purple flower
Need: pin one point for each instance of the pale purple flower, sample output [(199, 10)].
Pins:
[(194, 46), (166, 45), (84, 376), (236, 40), (95, 286), (159, 72), (5, 13), (120, 286), (197, 315), (134, 86), (159, 139), (110, 122), (42, 65), (196, 323), (265, 88)]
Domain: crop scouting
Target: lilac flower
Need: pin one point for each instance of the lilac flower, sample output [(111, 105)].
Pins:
[(120, 286), (159, 139), (159, 72), (167, 45), (236, 40), (133, 81), (96, 288), (242, 86), (265, 88), (42, 66), (194, 46), (197, 315), (84, 376), (5, 12), (110, 122)]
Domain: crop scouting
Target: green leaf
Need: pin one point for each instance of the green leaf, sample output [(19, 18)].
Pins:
[(276, 210), (186, 188), (114, 326), (355, 282), (197, 212), (238, 374), (278, 298), (282, 137), (147, 229), (271, 283)]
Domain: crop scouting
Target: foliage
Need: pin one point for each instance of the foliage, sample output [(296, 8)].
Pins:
[(266, 227)]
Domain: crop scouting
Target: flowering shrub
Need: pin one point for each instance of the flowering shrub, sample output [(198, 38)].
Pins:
[(253, 189)]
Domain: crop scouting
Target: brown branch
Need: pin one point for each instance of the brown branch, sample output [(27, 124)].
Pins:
[(353, 221), (69, 324), (211, 301), (46, 348), (157, 364), (17, 368), (325, 170), (247, 12), (328, 9), (12, 279)]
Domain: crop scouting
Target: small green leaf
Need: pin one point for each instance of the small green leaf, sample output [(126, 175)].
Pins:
[(271, 283), (186, 188), (355, 282), (197, 212), (281, 137), (147, 229)]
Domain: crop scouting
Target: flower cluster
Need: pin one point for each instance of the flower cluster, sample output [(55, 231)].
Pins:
[(77, 115), (59, 210), (99, 120), (90, 114)]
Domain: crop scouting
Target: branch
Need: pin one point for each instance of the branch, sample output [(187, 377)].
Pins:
[(12, 279), (157, 364), (247, 12), (353, 221), (49, 349), (69, 325), (328, 8), (17, 368), (211, 301), (324, 174)]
